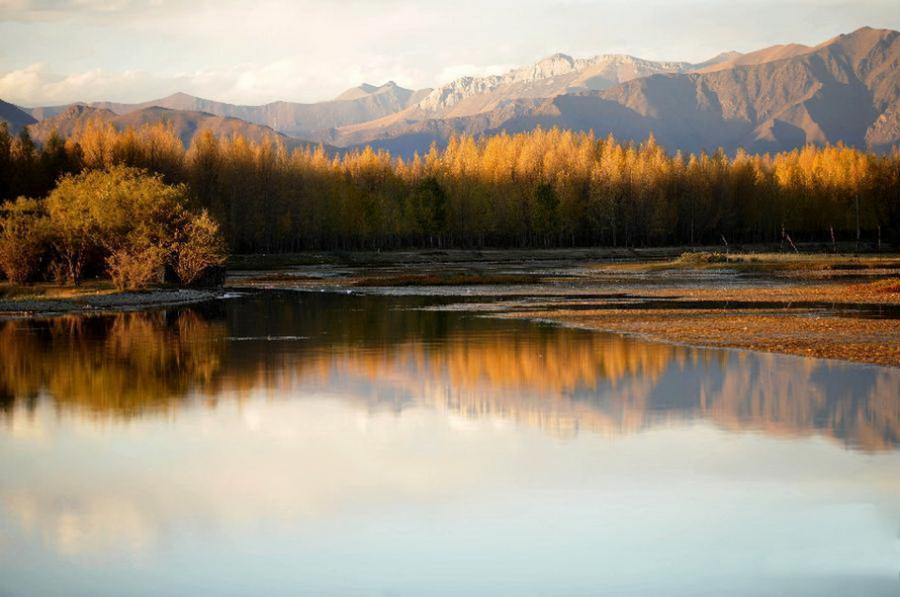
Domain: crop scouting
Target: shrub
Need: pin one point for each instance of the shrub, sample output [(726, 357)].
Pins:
[(97, 213), (131, 225), (23, 240), (134, 267), (199, 247), (121, 221)]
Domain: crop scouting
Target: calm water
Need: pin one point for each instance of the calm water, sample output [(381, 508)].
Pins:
[(292, 443)]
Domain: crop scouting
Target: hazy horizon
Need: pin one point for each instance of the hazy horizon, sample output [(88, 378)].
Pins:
[(56, 52)]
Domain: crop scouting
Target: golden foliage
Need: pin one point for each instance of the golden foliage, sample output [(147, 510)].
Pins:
[(121, 219), (540, 188)]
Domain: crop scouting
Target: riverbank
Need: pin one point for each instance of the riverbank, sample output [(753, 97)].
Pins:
[(46, 300), (832, 306), (835, 306)]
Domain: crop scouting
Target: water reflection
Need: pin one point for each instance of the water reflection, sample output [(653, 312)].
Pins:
[(385, 353), (123, 365)]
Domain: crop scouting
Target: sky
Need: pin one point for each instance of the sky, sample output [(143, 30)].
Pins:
[(59, 51)]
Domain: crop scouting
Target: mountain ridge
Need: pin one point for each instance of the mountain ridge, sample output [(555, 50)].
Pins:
[(844, 89), (289, 118), (186, 124)]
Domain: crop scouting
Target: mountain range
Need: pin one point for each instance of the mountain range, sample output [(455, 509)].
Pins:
[(359, 104), (186, 123), (846, 89)]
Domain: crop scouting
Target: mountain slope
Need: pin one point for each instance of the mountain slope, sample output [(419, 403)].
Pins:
[(844, 90), (836, 92), (359, 104), (186, 123), (770, 54), (549, 77), (14, 117)]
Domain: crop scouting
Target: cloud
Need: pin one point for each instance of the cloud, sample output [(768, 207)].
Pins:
[(310, 50), (53, 10), (36, 82), (246, 83)]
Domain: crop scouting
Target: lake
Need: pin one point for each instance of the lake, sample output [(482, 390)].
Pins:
[(284, 442)]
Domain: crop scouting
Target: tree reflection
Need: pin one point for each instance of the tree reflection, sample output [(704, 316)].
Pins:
[(388, 352), (124, 364)]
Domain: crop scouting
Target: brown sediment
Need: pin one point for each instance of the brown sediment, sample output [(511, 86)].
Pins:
[(782, 326), (875, 341), (885, 291), (767, 310)]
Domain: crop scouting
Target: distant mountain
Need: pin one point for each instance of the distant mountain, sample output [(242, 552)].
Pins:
[(723, 58), (780, 97), (549, 77), (186, 123), (14, 117), (844, 90), (360, 104), (770, 54)]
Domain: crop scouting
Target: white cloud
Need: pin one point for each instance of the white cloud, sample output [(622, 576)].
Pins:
[(37, 82), (247, 83), (309, 50)]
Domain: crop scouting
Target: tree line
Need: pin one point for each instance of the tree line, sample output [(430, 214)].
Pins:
[(544, 188)]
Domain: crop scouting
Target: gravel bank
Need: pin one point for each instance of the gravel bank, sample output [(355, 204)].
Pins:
[(124, 301)]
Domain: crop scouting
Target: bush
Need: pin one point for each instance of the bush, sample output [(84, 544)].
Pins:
[(119, 211), (199, 248), (122, 221), (23, 240), (136, 267)]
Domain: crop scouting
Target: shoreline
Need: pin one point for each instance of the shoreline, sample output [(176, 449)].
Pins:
[(841, 307), (826, 337), (92, 304)]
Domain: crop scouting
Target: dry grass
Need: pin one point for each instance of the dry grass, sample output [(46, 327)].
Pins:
[(884, 291), (766, 262), (888, 287), (50, 291)]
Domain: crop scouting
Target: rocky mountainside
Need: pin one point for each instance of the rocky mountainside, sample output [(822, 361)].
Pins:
[(844, 90), (550, 77)]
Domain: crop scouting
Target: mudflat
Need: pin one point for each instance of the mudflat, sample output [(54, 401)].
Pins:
[(835, 306), (831, 306)]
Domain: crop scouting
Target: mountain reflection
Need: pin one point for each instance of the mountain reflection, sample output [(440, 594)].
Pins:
[(385, 352)]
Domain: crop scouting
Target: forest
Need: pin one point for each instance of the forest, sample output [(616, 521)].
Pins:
[(544, 188)]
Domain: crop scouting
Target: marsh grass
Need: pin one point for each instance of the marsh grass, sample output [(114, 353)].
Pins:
[(52, 290)]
